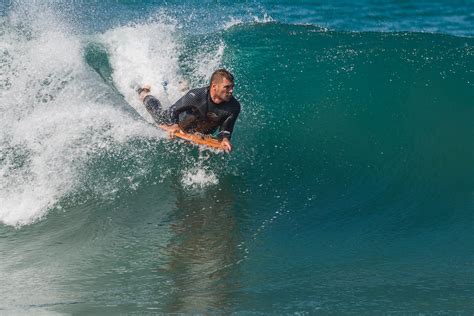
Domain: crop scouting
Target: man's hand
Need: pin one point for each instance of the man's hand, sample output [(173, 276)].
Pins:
[(173, 129), (226, 145)]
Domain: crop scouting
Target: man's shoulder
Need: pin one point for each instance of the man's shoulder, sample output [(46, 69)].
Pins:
[(198, 92)]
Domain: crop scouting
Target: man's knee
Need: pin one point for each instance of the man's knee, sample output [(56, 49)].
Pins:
[(152, 103), (153, 106)]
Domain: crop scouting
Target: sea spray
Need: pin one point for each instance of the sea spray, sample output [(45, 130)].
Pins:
[(53, 118)]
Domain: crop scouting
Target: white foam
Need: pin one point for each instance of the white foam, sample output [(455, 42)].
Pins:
[(233, 21), (265, 19), (53, 116), (198, 177), (250, 19), (145, 54)]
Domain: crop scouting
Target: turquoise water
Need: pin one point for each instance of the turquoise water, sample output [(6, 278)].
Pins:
[(350, 189)]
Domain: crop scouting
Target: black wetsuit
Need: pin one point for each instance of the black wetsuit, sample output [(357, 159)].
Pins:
[(196, 112)]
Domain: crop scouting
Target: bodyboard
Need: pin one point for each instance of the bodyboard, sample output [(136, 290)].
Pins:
[(198, 139)]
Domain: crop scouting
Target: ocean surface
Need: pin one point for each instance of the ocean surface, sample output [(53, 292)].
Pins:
[(350, 189)]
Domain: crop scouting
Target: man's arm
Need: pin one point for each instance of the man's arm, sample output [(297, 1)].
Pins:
[(227, 127), (185, 103)]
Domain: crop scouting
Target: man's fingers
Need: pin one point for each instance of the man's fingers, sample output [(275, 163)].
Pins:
[(226, 146), (172, 131)]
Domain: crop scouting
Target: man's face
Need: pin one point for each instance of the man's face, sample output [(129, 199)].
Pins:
[(224, 89)]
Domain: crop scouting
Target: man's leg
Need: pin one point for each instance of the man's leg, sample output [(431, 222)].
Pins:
[(152, 104)]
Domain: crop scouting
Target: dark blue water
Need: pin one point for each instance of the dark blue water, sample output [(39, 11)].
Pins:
[(350, 189)]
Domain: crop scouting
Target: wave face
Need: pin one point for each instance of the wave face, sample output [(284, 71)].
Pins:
[(350, 189)]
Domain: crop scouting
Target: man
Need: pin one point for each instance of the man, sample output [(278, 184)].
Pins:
[(201, 110)]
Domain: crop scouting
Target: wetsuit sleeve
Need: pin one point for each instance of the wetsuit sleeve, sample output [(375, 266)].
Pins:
[(187, 102), (227, 126)]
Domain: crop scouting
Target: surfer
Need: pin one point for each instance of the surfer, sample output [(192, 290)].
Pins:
[(201, 110)]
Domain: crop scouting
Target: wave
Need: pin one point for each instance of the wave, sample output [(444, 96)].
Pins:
[(352, 159), (351, 115)]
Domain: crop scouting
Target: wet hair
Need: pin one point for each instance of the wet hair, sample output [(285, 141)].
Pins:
[(221, 73)]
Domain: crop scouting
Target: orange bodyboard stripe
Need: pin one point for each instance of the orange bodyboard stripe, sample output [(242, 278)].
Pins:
[(204, 140)]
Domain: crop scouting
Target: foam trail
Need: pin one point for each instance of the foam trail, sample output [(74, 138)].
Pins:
[(145, 54), (54, 116)]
